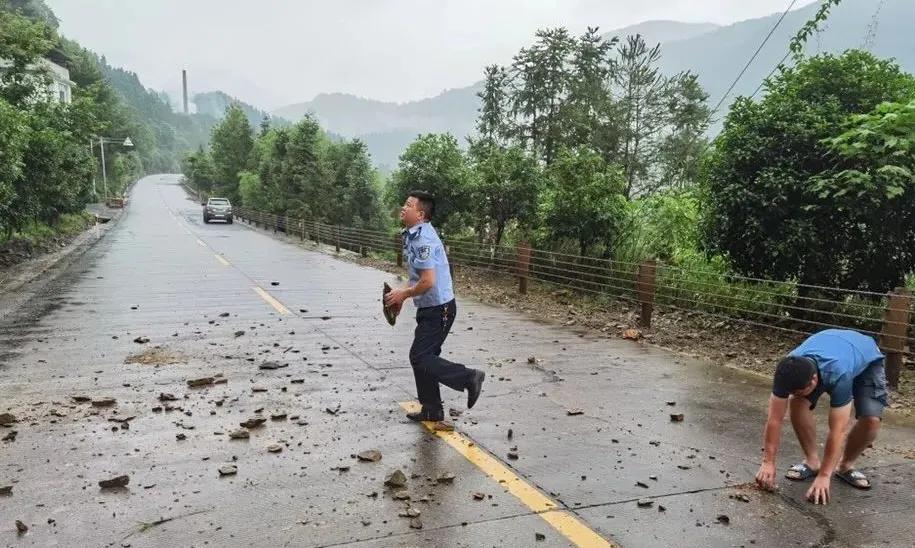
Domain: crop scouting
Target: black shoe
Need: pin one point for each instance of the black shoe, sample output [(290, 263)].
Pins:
[(427, 415), (475, 387)]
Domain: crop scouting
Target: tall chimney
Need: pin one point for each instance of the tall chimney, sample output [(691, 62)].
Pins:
[(184, 86)]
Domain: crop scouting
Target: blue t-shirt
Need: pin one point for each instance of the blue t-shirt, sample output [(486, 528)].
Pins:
[(424, 250), (841, 355)]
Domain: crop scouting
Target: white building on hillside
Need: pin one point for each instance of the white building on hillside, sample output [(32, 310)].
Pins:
[(56, 86)]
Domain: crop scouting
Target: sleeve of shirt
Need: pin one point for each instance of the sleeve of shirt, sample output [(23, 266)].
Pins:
[(423, 255), (842, 392)]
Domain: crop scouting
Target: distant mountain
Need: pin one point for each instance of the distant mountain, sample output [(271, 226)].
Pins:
[(662, 32), (715, 53), (214, 104)]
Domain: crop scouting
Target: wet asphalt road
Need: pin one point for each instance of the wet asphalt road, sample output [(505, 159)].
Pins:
[(161, 273)]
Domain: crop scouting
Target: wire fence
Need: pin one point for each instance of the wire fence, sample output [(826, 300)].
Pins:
[(786, 306)]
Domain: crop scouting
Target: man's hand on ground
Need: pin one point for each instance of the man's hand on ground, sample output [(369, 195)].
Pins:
[(765, 478), (396, 297), (819, 491)]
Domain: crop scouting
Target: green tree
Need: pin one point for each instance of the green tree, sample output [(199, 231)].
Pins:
[(869, 195), (765, 210), (583, 200), (355, 199), (505, 187), (434, 163), (23, 43), (13, 142), (231, 144)]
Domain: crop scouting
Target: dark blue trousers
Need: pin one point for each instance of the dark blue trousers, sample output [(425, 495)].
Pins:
[(433, 324)]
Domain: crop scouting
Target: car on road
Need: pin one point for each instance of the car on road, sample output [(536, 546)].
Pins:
[(217, 208)]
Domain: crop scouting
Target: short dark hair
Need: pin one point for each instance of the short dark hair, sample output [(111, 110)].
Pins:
[(794, 373), (425, 201)]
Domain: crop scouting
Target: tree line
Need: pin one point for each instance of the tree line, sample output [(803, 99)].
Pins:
[(584, 146)]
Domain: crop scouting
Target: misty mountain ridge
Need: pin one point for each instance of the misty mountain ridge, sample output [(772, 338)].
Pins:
[(715, 53)]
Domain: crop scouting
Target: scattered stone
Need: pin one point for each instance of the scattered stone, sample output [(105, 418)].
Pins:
[(181, 436), (723, 519), (410, 512), (6, 491), (278, 417), (366, 522), (341, 468), (21, 528), (683, 467), (203, 381), (167, 397), (741, 497), (104, 402), (240, 434), (512, 455), (479, 496), (120, 481), (11, 436), (7, 419), (402, 495), (510, 433), (653, 478), (221, 380), (257, 389), (575, 411), (325, 318), (532, 359), (632, 334), (274, 283), (641, 484), (661, 508), (228, 470), (443, 426), (253, 422), (239, 333), (272, 365), (396, 479), (141, 340), (671, 403), (224, 315), (370, 456), (644, 503), (454, 413), (539, 536), (446, 477), (81, 399), (332, 410), (274, 448), (416, 523), (676, 417)]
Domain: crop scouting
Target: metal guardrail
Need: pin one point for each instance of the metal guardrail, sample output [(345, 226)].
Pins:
[(786, 306)]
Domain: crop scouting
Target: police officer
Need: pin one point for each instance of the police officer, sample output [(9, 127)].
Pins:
[(432, 293)]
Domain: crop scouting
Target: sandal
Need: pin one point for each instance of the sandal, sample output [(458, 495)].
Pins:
[(854, 478), (801, 471)]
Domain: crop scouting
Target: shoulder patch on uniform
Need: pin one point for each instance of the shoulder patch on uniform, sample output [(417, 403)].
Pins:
[(423, 252)]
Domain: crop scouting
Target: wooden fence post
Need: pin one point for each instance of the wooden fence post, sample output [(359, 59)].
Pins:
[(524, 265), (645, 286), (398, 243), (894, 335), (337, 238), (302, 229)]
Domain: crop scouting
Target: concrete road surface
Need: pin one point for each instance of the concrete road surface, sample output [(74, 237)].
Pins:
[(225, 301)]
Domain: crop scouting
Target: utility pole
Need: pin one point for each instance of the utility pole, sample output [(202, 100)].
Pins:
[(184, 87), (104, 171)]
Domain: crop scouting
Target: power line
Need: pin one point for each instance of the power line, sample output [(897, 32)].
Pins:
[(871, 34), (753, 58)]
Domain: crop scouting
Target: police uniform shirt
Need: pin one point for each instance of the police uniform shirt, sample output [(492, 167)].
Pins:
[(424, 250)]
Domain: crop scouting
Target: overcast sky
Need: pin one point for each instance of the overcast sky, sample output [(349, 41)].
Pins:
[(276, 52)]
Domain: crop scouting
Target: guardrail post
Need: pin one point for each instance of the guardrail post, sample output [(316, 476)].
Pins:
[(645, 286), (894, 335), (337, 238), (524, 265), (398, 246)]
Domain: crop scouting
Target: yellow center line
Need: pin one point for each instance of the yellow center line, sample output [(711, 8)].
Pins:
[(200, 243), (566, 523), (222, 260), (271, 301)]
